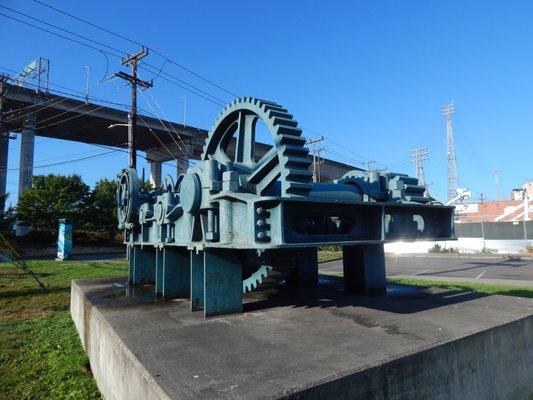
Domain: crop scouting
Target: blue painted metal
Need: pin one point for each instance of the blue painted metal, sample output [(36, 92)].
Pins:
[(197, 280), (176, 273), (364, 268), (222, 282), (159, 271), (236, 215), (142, 265), (64, 240)]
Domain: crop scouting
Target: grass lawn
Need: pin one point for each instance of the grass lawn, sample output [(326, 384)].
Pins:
[(487, 288), (40, 353), (328, 255)]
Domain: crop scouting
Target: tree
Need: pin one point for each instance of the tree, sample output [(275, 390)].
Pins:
[(7, 216), (52, 197), (101, 209)]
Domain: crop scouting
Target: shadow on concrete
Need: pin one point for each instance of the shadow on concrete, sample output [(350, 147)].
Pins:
[(329, 293), (478, 265)]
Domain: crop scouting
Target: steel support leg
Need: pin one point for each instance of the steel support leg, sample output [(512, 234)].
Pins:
[(306, 272), (176, 274), (159, 262), (142, 265), (197, 280), (223, 282), (364, 269)]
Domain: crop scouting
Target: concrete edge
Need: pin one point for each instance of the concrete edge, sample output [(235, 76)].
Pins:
[(374, 373), (333, 386), (92, 320), (503, 282)]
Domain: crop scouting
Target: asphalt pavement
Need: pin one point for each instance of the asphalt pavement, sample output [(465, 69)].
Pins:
[(480, 268)]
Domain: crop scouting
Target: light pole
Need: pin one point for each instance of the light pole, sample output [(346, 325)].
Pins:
[(87, 70), (184, 110), (526, 218)]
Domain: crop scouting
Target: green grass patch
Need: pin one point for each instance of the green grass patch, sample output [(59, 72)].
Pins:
[(486, 288), (40, 353), (329, 255)]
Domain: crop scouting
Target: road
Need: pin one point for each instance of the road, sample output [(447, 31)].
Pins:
[(452, 266)]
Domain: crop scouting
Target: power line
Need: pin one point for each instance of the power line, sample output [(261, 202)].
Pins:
[(194, 91), (63, 162), (138, 44), (59, 35), (64, 30)]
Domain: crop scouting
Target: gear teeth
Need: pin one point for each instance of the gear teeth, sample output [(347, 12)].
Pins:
[(288, 122), (289, 130), (298, 173), (298, 162), (256, 278), (292, 152), (292, 139), (291, 149), (298, 188), (279, 113)]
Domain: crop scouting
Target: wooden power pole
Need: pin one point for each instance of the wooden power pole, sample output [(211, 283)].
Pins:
[(134, 81)]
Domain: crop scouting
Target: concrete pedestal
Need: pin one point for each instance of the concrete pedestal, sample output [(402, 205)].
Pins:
[(308, 343)]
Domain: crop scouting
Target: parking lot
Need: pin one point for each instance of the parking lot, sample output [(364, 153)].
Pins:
[(475, 267)]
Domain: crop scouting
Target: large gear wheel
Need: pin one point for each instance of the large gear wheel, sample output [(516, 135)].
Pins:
[(287, 161), (128, 200), (256, 268)]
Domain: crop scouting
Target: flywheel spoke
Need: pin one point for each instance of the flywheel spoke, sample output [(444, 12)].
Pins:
[(245, 149)]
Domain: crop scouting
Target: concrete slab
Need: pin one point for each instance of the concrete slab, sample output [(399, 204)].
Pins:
[(309, 344)]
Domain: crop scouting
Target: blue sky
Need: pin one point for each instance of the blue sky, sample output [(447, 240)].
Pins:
[(371, 76)]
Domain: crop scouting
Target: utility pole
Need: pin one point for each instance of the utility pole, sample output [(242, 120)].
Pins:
[(134, 81), (369, 165), (418, 156), (87, 71), (482, 220), (453, 178), (316, 157)]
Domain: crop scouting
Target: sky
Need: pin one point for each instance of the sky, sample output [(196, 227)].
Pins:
[(371, 76)]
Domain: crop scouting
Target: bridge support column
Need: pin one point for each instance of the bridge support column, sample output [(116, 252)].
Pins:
[(155, 173), (4, 151), (4, 146), (27, 148), (182, 164)]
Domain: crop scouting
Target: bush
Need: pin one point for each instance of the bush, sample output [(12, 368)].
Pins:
[(437, 248)]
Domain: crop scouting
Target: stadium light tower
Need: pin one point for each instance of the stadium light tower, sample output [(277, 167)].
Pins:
[(453, 178), (418, 156)]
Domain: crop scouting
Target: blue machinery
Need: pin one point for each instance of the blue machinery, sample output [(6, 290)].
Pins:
[(217, 231)]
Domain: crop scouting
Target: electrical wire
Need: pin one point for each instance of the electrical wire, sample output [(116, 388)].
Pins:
[(160, 120), (66, 31), (61, 163), (160, 141), (138, 44)]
